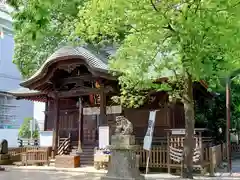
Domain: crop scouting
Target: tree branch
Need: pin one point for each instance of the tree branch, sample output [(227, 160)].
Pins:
[(198, 5), (235, 5), (153, 5), (169, 27)]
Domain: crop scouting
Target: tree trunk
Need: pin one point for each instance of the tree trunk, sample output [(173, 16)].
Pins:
[(189, 143)]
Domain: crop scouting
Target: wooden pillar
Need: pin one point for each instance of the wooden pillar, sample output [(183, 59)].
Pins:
[(80, 125), (46, 113), (171, 119), (56, 124), (103, 116), (201, 147), (168, 152)]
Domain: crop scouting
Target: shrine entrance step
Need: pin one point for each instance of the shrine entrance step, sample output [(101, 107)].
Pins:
[(87, 156)]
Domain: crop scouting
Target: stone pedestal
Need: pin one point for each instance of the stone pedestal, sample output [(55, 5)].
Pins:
[(5, 159), (4, 156), (123, 159)]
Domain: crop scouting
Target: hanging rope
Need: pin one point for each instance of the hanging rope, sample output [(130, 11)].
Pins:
[(177, 154)]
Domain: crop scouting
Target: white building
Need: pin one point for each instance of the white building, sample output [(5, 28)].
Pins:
[(12, 112)]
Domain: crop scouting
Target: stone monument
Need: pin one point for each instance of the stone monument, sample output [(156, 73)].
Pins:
[(4, 156), (4, 147), (123, 153)]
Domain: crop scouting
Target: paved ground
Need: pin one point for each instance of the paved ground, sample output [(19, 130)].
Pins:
[(56, 175), (87, 174), (45, 175)]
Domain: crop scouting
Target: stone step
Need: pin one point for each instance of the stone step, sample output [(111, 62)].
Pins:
[(86, 155), (52, 164), (83, 149)]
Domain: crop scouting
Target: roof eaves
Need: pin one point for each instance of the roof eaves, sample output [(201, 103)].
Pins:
[(96, 61)]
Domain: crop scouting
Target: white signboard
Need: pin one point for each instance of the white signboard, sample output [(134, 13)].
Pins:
[(103, 137), (147, 143), (46, 138)]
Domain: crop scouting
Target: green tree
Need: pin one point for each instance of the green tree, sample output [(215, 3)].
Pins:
[(40, 27), (185, 41), (235, 102), (212, 114), (25, 130)]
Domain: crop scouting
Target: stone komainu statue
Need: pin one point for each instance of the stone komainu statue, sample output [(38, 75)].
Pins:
[(123, 126)]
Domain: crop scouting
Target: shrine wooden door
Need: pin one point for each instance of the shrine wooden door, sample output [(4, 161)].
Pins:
[(90, 129)]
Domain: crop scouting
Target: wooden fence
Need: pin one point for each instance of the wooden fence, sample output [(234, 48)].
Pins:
[(211, 157), (158, 157), (235, 148), (217, 154), (19, 150), (24, 153), (35, 157)]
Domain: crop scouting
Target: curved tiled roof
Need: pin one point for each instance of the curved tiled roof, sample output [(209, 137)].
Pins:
[(24, 92), (95, 61)]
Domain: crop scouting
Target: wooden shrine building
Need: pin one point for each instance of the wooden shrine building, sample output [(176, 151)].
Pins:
[(77, 88)]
